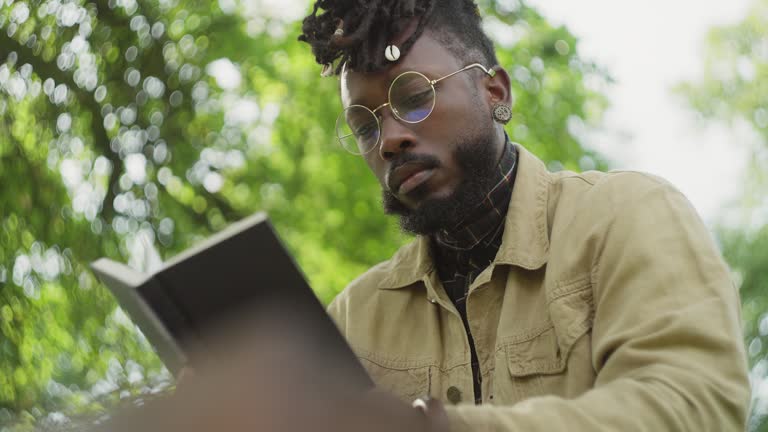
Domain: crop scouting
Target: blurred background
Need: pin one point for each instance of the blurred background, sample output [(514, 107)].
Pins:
[(133, 129)]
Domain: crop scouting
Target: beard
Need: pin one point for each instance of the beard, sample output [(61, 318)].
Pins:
[(476, 158)]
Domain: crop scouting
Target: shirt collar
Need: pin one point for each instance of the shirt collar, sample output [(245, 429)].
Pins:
[(525, 242)]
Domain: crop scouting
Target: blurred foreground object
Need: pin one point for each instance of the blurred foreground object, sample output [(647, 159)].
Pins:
[(267, 377)]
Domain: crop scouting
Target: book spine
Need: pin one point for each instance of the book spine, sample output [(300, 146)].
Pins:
[(173, 319)]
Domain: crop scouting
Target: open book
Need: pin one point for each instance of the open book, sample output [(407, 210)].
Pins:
[(241, 270)]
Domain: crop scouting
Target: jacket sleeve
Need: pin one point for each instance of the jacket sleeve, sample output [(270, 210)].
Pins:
[(666, 340), (337, 311)]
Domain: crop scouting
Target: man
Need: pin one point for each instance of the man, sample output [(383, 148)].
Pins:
[(530, 301)]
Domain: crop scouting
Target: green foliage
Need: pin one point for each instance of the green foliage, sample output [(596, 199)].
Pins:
[(115, 128), (734, 90), (735, 67)]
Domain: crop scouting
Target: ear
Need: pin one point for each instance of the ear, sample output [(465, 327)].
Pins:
[(498, 88)]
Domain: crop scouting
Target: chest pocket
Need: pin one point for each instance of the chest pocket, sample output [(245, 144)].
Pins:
[(551, 359), (407, 380)]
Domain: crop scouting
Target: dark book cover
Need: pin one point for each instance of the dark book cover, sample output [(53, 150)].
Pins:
[(241, 271)]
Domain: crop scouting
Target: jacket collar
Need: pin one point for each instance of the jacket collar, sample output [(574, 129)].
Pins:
[(525, 242)]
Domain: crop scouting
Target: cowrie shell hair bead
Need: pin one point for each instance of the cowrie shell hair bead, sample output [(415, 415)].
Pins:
[(392, 53)]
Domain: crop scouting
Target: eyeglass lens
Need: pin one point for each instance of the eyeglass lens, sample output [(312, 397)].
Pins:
[(411, 98), (358, 129)]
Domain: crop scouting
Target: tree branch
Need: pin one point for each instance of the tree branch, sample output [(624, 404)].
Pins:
[(155, 51), (46, 69), (100, 136)]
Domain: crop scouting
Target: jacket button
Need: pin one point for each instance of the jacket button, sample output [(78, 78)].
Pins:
[(433, 301), (454, 395)]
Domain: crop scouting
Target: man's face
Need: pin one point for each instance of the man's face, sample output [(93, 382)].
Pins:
[(431, 173)]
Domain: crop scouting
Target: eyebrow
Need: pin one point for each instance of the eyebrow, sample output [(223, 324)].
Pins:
[(358, 101)]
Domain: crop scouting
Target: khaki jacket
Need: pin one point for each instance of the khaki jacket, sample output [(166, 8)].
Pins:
[(607, 308)]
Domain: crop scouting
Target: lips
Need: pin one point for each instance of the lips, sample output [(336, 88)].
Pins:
[(408, 176)]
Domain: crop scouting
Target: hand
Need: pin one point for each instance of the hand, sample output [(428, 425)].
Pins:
[(236, 398), (186, 374), (264, 383)]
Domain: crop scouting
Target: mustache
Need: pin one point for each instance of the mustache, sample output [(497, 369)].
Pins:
[(426, 161)]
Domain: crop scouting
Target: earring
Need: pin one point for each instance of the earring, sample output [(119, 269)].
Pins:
[(392, 53), (502, 113)]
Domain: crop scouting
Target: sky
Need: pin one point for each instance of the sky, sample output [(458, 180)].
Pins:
[(648, 47)]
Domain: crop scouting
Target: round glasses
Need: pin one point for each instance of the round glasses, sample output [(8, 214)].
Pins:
[(412, 99)]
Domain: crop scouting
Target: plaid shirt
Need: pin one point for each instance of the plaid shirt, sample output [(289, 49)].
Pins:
[(461, 254)]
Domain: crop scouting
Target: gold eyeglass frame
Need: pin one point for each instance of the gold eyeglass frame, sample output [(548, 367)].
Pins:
[(491, 72)]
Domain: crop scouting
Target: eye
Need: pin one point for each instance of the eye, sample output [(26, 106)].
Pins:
[(422, 96), (418, 99), (365, 130)]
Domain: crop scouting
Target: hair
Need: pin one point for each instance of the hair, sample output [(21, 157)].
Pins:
[(370, 25)]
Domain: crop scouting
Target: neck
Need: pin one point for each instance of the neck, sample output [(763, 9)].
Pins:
[(490, 212)]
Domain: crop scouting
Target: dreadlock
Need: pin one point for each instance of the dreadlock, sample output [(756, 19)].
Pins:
[(369, 26)]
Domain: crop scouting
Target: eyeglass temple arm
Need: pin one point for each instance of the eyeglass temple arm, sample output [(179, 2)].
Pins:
[(490, 72)]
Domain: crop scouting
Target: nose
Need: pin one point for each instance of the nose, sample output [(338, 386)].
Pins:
[(396, 137)]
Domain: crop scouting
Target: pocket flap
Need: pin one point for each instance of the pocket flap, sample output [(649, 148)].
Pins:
[(533, 353), (545, 350), (572, 311), (408, 383)]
